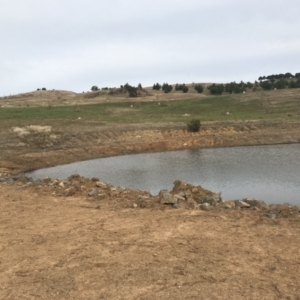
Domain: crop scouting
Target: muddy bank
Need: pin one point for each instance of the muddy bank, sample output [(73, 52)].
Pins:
[(37, 149)]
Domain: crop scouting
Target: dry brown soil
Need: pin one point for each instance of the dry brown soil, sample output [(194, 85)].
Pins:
[(78, 247)]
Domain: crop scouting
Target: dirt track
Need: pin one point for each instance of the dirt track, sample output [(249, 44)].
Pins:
[(58, 247)]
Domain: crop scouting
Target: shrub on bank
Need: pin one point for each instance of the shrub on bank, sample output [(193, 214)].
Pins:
[(194, 125)]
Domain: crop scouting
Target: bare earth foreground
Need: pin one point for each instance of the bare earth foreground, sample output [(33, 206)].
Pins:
[(57, 242)]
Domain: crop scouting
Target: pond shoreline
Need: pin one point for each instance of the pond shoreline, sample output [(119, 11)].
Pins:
[(27, 154)]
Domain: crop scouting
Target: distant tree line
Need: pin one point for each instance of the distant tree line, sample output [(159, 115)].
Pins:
[(178, 87), (181, 87), (127, 88), (275, 81), (279, 76), (280, 81)]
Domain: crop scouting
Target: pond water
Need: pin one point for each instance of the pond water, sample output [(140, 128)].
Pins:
[(269, 173)]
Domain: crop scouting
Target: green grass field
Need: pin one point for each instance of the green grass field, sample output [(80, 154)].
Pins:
[(256, 106)]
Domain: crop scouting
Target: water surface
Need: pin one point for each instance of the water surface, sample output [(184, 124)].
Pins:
[(270, 173)]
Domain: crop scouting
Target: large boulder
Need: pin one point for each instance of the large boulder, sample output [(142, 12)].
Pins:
[(198, 193), (166, 197)]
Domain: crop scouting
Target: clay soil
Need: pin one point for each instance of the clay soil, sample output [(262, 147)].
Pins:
[(57, 247)]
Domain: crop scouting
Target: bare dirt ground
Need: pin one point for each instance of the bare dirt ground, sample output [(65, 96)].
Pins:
[(55, 246)]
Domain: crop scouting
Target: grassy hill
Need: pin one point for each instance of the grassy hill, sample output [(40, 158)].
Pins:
[(110, 106)]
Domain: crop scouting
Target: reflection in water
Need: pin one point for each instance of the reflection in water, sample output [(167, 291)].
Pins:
[(270, 173)]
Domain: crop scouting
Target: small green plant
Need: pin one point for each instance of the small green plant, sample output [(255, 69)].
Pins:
[(194, 125)]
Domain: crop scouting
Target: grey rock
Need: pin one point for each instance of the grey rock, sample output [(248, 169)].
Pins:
[(178, 197), (47, 180), (214, 199), (70, 191), (93, 193), (167, 198), (38, 182), (101, 184), (241, 204), (254, 202), (205, 206), (271, 216), (176, 206), (275, 212), (182, 194), (18, 176), (226, 206)]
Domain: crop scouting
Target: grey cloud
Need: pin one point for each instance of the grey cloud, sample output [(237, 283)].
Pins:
[(75, 44)]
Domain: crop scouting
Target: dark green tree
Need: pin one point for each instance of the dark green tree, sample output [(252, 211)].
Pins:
[(280, 84), (156, 86), (167, 88), (216, 89), (94, 88), (199, 88), (266, 85), (132, 90), (185, 89)]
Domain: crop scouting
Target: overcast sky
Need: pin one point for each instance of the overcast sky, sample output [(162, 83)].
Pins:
[(73, 45)]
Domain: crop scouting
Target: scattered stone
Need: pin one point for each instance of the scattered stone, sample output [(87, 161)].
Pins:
[(226, 206), (271, 216), (275, 212), (47, 180), (195, 190), (95, 179), (205, 206), (179, 198), (182, 194), (113, 192), (74, 177), (38, 182), (176, 206), (61, 184), (101, 184), (254, 202), (135, 205), (166, 197), (256, 208), (230, 203), (213, 199), (93, 193), (70, 191), (241, 204)]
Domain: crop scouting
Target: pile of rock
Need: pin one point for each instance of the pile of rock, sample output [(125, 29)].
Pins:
[(189, 196), (182, 196)]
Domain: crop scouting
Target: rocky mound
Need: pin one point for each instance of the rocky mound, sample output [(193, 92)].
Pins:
[(182, 196)]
